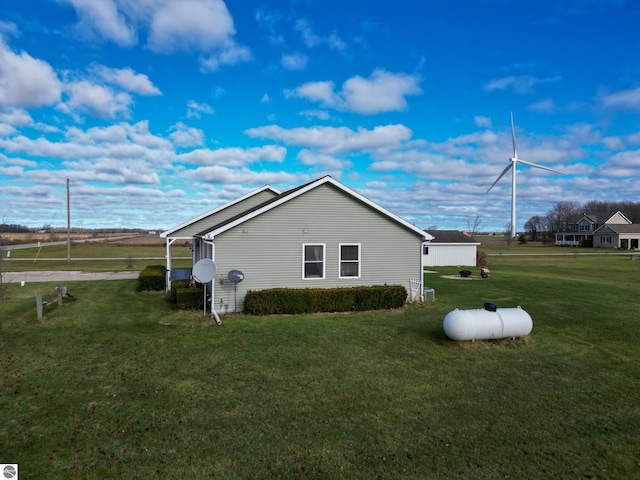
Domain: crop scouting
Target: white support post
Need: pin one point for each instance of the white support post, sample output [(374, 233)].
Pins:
[(168, 279)]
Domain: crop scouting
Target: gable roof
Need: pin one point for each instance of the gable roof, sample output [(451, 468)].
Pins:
[(601, 217), (289, 195), (451, 236), (619, 228), (265, 188)]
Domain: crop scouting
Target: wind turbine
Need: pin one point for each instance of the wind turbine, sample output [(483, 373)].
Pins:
[(514, 162)]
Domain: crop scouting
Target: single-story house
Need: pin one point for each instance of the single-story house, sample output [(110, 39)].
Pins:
[(321, 234), (449, 248)]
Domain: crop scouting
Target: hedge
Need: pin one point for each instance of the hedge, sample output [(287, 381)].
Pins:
[(189, 298), (312, 300), (153, 277)]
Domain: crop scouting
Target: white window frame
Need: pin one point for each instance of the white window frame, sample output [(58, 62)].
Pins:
[(324, 260), (359, 261)]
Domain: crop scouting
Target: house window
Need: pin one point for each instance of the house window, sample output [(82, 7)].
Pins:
[(349, 260), (425, 250), (313, 261)]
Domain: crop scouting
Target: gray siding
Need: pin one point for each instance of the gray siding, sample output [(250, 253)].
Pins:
[(268, 248), (222, 215)]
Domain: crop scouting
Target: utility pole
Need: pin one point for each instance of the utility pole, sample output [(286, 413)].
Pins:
[(68, 224)]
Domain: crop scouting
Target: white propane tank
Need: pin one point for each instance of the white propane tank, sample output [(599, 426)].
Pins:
[(487, 324)]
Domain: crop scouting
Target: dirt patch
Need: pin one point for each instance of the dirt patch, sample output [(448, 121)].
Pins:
[(488, 344), (459, 277)]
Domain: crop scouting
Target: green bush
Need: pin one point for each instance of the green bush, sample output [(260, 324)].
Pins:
[(175, 284), (153, 277), (311, 300), (189, 298)]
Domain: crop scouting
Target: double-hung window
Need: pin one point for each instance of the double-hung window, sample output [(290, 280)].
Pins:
[(313, 264), (349, 260)]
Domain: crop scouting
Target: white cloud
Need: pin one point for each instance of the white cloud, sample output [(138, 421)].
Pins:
[(234, 157), (220, 174), (232, 55), (96, 100), (543, 106), (482, 122), (183, 136), (322, 161), (9, 29), (174, 26), (103, 20), (319, 114), (127, 79), (382, 92), (312, 39), (16, 117), (26, 81), (190, 25), (294, 61), (624, 99), (335, 140), (195, 109), (519, 83)]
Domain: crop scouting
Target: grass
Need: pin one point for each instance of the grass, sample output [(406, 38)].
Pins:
[(93, 257), (118, 384)]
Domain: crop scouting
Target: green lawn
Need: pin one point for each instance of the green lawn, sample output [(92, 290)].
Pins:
[(118, 384), (93, 257)]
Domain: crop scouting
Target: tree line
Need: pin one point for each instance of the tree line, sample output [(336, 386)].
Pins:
[(561, 216)]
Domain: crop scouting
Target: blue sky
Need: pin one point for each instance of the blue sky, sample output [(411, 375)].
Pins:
[(160, 110)]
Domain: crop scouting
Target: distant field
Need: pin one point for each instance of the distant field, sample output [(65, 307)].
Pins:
[(107, 255)]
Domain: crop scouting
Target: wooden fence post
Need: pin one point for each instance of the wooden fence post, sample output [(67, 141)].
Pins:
[(39, 305)]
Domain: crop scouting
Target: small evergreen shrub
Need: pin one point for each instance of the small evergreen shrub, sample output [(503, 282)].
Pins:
[(152, 277), (313, 300), (175, 285), (189, 298)]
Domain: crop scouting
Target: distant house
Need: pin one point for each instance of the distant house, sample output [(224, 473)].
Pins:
[(321, 234), (581, 230), (449, 248), (622, 236)]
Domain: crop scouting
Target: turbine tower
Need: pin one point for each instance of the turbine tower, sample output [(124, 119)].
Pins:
[(512, 165)]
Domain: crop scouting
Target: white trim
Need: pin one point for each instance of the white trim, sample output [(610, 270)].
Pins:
[(347, 244), (324, 260), (327, 179), (215, 210)]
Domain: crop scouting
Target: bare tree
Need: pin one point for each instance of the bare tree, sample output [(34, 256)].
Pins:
[(507, 233), (473, 224), (535, 226), (561, 216)]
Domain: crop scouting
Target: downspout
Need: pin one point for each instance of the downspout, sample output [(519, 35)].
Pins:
[(213, 282)]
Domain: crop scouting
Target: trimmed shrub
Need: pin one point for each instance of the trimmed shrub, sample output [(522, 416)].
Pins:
[(152, 277), (175, 284), (189, 298), (312, 300)]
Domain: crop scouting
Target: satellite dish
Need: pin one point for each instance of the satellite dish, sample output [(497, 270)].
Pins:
[(204, 270), (236, 276)]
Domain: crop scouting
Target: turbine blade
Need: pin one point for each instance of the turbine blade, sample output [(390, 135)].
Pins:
[(500, 176), (531, 164), (513, 138)]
